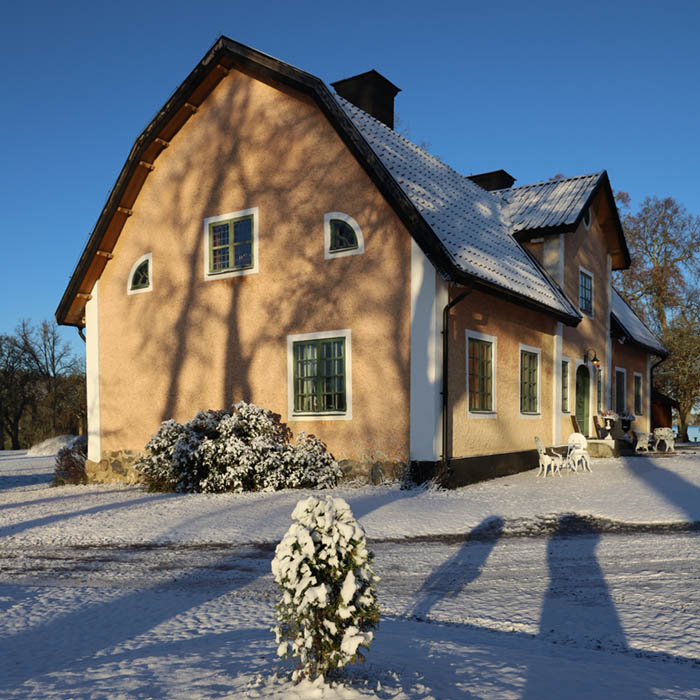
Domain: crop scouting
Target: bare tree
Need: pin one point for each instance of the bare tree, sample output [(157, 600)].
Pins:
[(662, 285)]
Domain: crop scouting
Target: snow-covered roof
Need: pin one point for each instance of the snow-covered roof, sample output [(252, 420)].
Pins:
[(472, 224), (635, 328), (549, 204)]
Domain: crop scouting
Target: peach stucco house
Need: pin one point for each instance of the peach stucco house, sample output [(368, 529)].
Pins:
[(273, 240)]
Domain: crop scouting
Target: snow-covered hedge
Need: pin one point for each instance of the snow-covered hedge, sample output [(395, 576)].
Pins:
[(329, 601), (246, 448), (69, 467)]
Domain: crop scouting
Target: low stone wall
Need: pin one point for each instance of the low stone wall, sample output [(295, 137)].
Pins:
[(114, 468), (378, 472)]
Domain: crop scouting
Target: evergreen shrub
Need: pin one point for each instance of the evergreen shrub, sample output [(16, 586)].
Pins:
[(329, 601), (246, 448)]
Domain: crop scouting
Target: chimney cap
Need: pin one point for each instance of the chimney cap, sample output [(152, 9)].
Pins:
[(370, 76), (493, 180)]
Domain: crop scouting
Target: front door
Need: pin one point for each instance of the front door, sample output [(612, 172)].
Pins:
[(583, 387)]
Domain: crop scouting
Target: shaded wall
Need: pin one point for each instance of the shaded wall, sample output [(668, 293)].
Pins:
[(192, 344)]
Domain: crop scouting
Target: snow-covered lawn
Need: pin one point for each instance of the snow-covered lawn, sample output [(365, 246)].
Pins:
[(575, 587)]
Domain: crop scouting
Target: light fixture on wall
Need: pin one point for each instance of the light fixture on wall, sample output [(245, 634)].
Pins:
[(592, 357)]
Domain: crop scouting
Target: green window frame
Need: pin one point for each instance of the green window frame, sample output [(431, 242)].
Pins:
[(141, 277), (638, 408), (480, 375), (565, 386), (231, 244), (529, 367), (343, 236), (585, 292), (320, 371)]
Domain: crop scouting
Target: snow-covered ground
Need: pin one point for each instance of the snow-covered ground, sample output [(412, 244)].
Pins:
[(575, 587)]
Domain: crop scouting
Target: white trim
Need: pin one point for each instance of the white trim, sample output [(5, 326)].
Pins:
[(320, 335), (538, 352), (209, 276), (592, 276), (591, 386), (649, 363), (327, 252), (429, 295), (129, 290), (608, 341), (566, 412), (557, 358), (600, 395), (92, 371), (622, 371), (641, 398), (493, 413)]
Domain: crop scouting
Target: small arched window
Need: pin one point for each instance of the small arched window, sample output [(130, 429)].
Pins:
[(342, 235), (141, 275), (587, 218)]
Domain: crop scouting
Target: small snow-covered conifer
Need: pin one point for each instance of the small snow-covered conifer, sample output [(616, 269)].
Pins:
[(329, 601)]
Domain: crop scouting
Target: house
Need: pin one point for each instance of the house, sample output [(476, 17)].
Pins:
[(273, 240)]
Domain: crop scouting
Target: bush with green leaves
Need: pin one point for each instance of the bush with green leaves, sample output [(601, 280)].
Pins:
[(329, 604), (246, 448)]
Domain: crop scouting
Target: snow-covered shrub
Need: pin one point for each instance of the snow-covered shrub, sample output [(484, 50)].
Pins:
[(70, 463), (329, 601), (246, 448)]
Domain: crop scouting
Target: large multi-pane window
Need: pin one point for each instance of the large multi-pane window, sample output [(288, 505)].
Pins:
[(319, 375), (231, 244), (529, 362), (565, 386), (620, 390), (480, 375), (638, 394), (585, 292)]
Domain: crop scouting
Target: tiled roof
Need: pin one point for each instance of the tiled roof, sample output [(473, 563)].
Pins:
[(549, 204), (471, 223), (635, 328)]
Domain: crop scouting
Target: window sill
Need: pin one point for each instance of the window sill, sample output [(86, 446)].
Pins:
[(482, 414), (530, 415), (320, 416), (233, 272)]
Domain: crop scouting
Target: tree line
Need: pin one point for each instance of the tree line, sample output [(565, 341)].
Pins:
[(42, 386), (663, 287)]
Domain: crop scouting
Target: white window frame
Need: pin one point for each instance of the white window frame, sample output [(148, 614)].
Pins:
[(641, 398), (567, 410), (494, 353), (134, 267), (328, 253), (538, 352), (600, 389), (320, 335), (623, 371), (592, 276), (208, 275)]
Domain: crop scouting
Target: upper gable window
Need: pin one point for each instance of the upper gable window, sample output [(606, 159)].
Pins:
[(141, 275), (587, 218), (585, 291), (231, 244), (342, 235)]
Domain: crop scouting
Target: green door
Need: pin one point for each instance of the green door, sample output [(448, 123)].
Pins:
[(583, 388)]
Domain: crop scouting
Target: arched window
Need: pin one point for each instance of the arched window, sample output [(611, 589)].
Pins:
[(342, 235), (141, 275)]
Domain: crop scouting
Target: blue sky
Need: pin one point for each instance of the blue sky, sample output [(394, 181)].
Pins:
[(536, 88)]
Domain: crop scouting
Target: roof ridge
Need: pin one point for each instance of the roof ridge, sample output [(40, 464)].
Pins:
[(550, 183)]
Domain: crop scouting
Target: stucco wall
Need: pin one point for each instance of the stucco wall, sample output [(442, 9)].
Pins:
[(192, 344), (632, 359), (506, 429)]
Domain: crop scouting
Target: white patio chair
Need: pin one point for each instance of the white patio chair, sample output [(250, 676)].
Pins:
[(642, 441), (577, 453), (666, 436), (549, 462)]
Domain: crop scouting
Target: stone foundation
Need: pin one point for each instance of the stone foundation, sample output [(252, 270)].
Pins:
[(114, 468), (378, 472)]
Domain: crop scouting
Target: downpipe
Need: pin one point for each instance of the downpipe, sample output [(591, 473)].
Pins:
[(444, 458)]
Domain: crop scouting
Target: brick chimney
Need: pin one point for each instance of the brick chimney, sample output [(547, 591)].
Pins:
[(371, 92), (494, 180)]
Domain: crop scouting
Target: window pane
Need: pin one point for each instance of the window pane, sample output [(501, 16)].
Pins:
[(528, 382), (140, 278), (638, 395), (480, 375), (220, 258), (243, 255), (585, 293), (243, 230), (565, 386), (342, 235), (219, 234), (620, 392), (319, 375)]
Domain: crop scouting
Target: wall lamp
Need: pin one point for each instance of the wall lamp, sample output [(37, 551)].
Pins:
[(592, 357)]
